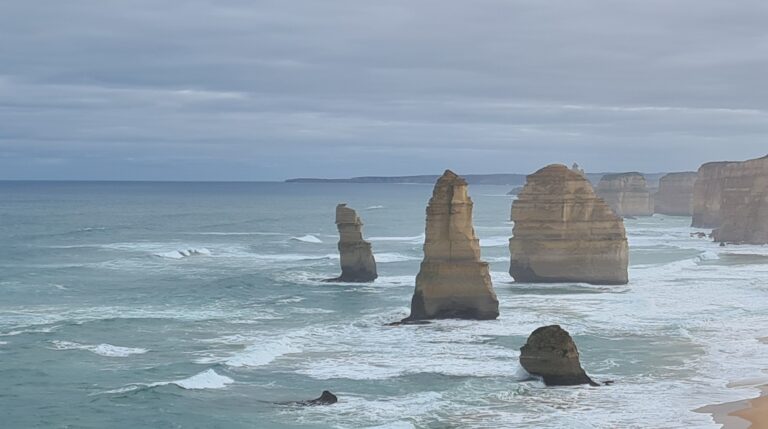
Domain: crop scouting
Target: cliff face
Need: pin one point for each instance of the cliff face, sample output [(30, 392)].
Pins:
[(452, 282), (744, 203), (357, 261), (626, 193), (675, 195), (707, 194), (564, 233)]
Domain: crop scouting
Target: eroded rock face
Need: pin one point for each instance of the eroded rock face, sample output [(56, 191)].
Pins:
[(675, 195), (744, 203), (357, 261), (708, 194), (626, 193), (551, 354), (564, 233), (453, 282)]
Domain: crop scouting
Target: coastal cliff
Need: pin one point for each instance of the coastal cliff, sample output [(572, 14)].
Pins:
[(744, 203), (564, 233), (675, 195), (453, 282), (626, 193)]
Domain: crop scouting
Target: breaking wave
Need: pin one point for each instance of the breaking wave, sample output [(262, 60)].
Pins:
[(107, 350), (309, 238)]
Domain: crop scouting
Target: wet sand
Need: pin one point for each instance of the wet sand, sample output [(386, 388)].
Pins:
[(745, 414)]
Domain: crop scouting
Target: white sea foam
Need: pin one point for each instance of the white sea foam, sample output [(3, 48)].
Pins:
[(107, 350), (2, 343), (500, 241), (394, 257), (309, 238), (416, 239), (207, 379), (374, 207), (262, 353), (709, 256)]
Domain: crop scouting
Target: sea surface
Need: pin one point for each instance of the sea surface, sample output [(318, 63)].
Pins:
[(200, 305)]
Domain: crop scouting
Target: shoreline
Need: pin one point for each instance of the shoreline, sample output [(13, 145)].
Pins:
[(751, 413)]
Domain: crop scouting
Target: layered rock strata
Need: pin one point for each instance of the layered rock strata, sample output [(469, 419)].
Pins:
[(626, 193), (675, 195), (708, 193), (744, 203), (550, 353), (357, 262), (564, 233), (453, 282)]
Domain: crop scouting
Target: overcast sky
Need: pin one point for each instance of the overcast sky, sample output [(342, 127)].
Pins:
[(266, 90)]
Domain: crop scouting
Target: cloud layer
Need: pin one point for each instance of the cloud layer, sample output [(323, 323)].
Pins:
[(270, 89)]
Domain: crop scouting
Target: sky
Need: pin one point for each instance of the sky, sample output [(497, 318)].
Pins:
[(274, 89)]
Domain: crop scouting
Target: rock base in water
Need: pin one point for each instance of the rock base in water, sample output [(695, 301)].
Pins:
[(453, 282), (550, 353)]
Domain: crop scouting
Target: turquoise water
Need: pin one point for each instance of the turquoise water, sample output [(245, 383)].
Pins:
[(104, 322)]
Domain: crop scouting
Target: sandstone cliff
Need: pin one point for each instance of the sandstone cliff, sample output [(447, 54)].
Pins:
[(626, 193), (564, 233), (744, 203), (675, 195), (357, 261), (452, 282), (707, 194)]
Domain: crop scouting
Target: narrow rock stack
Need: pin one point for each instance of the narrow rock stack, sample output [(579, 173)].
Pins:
[(744, 203), (453, 282), (675, 195), (564, 233), (626, 193), (357, 262), (550, 353)]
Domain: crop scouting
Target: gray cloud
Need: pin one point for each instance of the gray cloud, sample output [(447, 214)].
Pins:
[(260, 90)]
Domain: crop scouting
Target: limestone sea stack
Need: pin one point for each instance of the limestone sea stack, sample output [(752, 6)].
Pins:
[(550, 353), (626, 193), (744, 203), (675, 195), (357, 262), (453, 282), (564, 233)]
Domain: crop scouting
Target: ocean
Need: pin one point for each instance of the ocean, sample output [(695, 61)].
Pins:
[(201, 305)]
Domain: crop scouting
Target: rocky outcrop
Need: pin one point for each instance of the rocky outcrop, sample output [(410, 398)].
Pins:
[(357, 262), (626, 193), (326, 398), (675, 195), (550, 353), (564, 233), (744, 203), (453, 282)]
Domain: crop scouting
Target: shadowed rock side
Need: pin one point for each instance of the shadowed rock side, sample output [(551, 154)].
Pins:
[(452, 282), (744, 203), (550, 353), (357, 262), (626, 193), (675, 195), (564, 233)]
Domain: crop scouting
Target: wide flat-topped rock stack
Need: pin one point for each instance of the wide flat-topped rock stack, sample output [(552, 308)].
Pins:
[(564, 233), (675, 195), (626, 193)]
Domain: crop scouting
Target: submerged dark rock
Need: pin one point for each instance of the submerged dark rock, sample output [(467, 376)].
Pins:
[(550, 353), (326, 398)]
